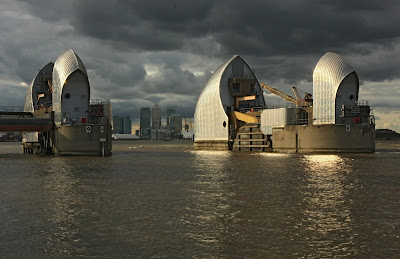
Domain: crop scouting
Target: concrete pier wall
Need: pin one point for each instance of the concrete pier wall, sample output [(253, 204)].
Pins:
[(324, 138), (77, 140)]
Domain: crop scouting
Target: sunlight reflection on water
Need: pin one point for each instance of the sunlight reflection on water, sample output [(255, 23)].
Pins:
[(326, 205), (270, 154), (207, 218), (62, 194)]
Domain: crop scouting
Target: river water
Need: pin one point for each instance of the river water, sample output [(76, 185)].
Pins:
[(162, 199)]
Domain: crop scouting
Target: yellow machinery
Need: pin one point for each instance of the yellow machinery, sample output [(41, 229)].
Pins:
[(296, 94), (306, 101), (248, 118), (237, 117), (279, 93), (244, 98), (302, 102)]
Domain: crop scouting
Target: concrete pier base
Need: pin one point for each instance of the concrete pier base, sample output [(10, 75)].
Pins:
[(324, 138), (80, 140)]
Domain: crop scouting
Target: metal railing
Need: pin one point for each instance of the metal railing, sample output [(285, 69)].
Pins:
[(12, 109), (362, 103), (99, 101), (279, 106), (252, 109), (43, 105)]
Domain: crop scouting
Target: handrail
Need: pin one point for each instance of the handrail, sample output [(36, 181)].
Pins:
[(99, 101), (43, 105), (12, 109)]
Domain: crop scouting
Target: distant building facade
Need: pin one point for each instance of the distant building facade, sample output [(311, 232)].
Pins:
[(127, 125), (117, 125), (157, 127), (122, 125), (145, 120), (176, 123), (156, 117), (169, 112)]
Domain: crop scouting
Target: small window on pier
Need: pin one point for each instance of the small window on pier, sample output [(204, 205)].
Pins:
[(236, 87), (252, 88)]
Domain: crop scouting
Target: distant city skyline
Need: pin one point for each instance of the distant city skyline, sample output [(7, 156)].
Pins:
[(138, 58)]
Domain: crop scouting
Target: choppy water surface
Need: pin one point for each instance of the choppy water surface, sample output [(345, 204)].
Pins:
[(162, 199)]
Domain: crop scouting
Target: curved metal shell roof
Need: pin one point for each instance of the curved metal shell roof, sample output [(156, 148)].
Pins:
[(35, 87), (210, 114), (329, 72), (66, 64), (331, 69), (28, 105)]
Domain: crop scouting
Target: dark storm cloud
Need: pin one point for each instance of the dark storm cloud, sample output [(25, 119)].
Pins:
[(267, 27), (161, 51), (120, 73), (287, 29), (149, 25), (49, 10)]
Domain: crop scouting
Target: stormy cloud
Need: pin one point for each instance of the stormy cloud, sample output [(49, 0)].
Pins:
[(142, 53)]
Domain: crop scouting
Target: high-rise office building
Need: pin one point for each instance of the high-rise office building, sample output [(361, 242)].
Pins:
[(156, 117), (117, 126), (176, 123), (127, 124), (145, 121), (122, 125)]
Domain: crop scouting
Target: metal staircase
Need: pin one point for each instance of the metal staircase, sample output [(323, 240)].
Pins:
[(251, 138)]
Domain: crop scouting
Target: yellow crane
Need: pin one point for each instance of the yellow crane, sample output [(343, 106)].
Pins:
[(296, 94), (279, 93), (306, 101)]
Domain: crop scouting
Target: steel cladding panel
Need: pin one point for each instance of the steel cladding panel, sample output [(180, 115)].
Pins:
[(37, 86), (224, 92), (329, 72), (274, 118), (66, 64), (76, 105), (210, 113), (28, 105), (347, 94)]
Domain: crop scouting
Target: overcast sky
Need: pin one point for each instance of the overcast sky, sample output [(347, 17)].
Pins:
[(142, 53)]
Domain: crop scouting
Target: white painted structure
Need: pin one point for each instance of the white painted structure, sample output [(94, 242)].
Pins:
[(71, 89), (280, 117), (216, 101), (335, 83)]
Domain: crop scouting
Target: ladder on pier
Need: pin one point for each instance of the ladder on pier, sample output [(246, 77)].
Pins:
[(251, 138)]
